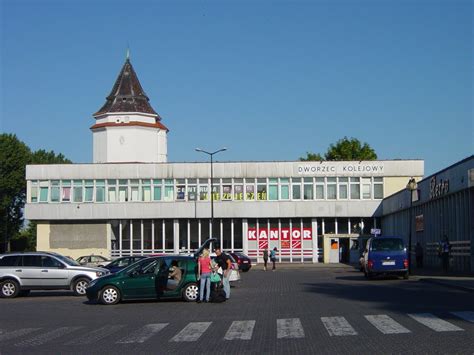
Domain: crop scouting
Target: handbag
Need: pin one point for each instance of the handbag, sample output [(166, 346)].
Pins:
[(215, 277)]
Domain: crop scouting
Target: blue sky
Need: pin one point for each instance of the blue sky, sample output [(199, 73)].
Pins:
[(269, 80)]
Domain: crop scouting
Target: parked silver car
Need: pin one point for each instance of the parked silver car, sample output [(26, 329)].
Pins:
[(93, 260), (22, 272)]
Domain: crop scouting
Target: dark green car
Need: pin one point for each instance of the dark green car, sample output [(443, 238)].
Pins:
[(147, 279)]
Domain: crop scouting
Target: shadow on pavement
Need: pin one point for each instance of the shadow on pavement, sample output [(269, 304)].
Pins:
[(392, 295)]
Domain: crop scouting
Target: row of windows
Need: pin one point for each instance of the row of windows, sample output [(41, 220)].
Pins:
[(248, 189)]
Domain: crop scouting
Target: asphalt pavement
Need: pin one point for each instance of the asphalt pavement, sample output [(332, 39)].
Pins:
[(297, 309)]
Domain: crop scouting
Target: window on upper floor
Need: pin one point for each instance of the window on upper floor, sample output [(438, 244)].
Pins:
[(100, 191), (77, 191), (378, 188)]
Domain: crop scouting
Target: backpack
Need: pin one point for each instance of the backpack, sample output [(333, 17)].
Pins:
[(272, 255)]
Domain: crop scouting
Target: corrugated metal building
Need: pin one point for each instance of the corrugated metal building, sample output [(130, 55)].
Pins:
[(441, 206)]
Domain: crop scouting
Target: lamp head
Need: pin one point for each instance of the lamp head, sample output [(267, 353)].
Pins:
[(412, 185)]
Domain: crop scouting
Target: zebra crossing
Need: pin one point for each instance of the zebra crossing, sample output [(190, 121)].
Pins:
[(239, 330)]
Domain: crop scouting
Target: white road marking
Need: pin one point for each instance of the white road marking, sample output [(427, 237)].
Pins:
[(95, 335), (289, 328), (435, 323), (386, 324), (191, 332), (338, 326), (240, 330), (469, 316), (143, 334), (45, 337), (4, 336)]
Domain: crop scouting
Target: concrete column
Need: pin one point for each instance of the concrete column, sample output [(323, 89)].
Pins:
[(141, 237), (120, 238), (153, 235), (176, 236), (232, 234), (245, 241), (314, 233)]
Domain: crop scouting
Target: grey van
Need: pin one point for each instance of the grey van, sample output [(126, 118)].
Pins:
[(22, 272)]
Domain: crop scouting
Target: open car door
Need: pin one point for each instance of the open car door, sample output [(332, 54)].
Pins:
[(206, 245)]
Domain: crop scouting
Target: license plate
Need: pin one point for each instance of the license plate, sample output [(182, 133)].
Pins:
[(245, 262), (388, 262)]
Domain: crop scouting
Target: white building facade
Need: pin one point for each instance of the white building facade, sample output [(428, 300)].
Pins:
[(149, 208), (130, 200)]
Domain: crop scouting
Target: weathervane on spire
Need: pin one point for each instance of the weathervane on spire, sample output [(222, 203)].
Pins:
[(128, 53)]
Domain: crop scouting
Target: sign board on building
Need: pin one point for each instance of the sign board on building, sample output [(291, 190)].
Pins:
[(325, 168), (280, 234), (419, 223)]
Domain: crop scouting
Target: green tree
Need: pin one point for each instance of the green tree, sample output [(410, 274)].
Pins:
[(312, 157), (43, 157), (350, 149), (14, 156), (344, 149)]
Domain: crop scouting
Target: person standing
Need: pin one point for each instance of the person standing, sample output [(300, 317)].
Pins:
[(265, 259), (419, 255), (204, 272), (223, 261), (445, 253), (273, 257)]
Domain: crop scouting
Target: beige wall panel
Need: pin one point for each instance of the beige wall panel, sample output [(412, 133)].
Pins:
[(396, 183), (42, 236)]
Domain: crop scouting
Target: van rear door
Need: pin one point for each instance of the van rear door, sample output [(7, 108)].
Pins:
[(388, 254)]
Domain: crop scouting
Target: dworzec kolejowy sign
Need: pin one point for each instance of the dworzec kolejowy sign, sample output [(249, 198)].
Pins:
[(340, 169)]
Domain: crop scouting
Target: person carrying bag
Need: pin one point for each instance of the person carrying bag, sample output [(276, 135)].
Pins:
[(204, 275)]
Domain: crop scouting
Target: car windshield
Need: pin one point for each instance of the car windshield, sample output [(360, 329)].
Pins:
[(387, 244), (67, 260)]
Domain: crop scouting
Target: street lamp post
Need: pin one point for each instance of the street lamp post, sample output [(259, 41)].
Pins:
[(212, 182), (411, 186)]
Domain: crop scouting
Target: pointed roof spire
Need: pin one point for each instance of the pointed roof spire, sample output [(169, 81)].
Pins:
[(127, 94), (128, 53)]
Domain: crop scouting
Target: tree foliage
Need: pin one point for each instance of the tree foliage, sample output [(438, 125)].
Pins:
[(43, 157), (14, 156), (344, 149), (312, 157)]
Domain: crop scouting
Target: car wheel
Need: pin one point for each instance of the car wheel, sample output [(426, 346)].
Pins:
[(190, 292), (406, 276), (109, 295), (24, 293), (79, 286), (9, 289)]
